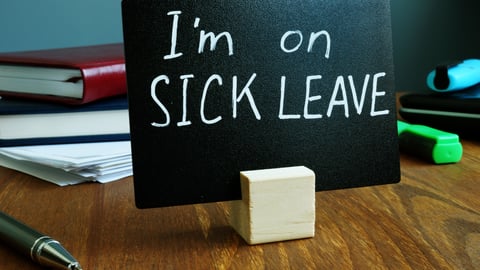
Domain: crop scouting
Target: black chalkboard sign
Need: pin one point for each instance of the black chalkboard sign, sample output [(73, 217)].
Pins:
[(220, 86)]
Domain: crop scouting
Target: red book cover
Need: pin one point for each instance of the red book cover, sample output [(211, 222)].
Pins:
[(102, 70)]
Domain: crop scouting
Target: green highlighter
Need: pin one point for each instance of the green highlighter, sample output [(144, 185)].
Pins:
[(434, 145)]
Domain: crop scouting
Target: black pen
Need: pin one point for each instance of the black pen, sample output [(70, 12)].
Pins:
[(39, 247)]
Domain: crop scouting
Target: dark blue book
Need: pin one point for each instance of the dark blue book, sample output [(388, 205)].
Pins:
[(456, 112), (26, 122)]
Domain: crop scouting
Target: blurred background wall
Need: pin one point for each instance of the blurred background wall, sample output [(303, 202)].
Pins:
[(39, 24), (425, 32), (429, 32)]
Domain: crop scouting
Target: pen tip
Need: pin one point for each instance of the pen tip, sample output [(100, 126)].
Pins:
[(75, 266)]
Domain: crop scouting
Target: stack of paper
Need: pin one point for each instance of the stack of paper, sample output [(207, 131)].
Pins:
[(69, 164)]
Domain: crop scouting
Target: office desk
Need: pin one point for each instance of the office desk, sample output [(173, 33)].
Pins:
[(431, 220)]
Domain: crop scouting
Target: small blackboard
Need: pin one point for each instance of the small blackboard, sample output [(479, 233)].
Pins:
[(220, 86)]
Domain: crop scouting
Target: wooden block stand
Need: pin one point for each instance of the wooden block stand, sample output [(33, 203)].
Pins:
[(277, 205)]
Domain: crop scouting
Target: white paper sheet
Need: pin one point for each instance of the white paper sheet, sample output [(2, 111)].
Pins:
[(70, 164), (70, 155)]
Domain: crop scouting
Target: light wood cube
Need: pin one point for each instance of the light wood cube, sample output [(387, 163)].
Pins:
[(277, 205)]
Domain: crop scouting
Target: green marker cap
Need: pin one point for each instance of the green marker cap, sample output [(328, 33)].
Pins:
[(438, 146)]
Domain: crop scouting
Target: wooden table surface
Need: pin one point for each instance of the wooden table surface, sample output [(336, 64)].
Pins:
[(430, 220)]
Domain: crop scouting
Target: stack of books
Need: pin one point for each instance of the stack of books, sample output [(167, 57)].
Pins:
[(64, 114)]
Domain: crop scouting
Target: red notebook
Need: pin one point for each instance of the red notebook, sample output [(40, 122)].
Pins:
[(74, 75)]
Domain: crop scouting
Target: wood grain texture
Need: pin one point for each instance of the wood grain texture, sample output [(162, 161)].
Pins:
[(431, 220)]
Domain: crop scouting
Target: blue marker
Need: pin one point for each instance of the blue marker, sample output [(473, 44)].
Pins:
[(455, 77)]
